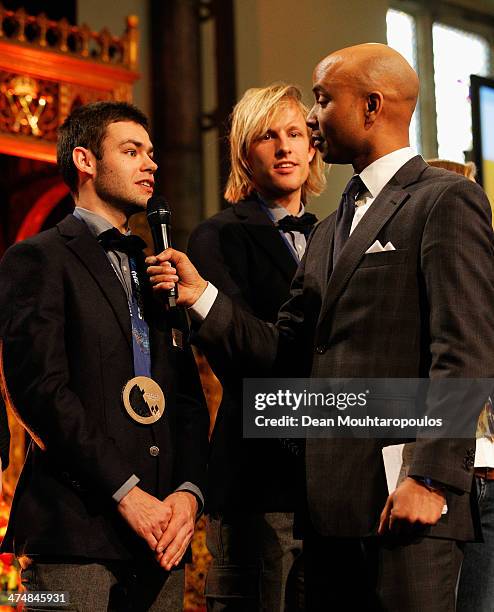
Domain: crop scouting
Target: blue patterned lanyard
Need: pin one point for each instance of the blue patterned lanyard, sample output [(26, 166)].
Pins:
[(140, 329)]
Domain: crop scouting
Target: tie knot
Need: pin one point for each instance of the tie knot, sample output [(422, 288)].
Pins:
[(113, 240), (354, 188)]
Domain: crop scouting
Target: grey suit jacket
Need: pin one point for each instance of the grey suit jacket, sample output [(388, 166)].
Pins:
[(422, 310)]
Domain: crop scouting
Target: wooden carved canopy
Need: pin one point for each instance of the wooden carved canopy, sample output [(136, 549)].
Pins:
[(49, 67)]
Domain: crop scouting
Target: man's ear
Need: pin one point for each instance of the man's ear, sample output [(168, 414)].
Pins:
[(84, 160), (373, 106)]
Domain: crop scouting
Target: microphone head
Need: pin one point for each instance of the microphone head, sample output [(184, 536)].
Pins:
[(158, 210)]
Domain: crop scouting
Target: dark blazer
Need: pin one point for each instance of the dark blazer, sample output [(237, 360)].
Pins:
[(67, 353), (422, 310), (243, 254)]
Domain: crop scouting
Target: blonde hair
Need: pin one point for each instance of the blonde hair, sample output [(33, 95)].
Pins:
[(469, 169), (250, 119)]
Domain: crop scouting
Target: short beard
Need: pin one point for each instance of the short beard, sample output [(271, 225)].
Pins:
[(115, 200)]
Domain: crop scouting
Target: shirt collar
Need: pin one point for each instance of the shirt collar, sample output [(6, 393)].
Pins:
[(96, 224), (377, 174)]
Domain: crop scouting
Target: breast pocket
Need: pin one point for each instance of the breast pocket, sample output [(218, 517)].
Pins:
[(384, 258), (383, 278)]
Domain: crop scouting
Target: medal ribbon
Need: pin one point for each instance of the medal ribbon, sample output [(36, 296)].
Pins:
[(132, 245), (140, 330)]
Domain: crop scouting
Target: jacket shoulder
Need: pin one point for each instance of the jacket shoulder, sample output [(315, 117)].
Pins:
[(444, 184), (220, 219), (40, 242), (442, 176), (214, 227)]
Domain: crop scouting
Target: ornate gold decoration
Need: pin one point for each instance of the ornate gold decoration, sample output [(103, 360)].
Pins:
[(79, 41), (47, 68), (28, 106)]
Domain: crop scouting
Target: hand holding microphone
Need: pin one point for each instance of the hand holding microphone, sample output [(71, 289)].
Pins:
[(163, 275), (159, 219)]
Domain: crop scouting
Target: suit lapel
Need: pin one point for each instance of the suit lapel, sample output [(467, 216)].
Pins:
[(82, 243), (264, 233), (388, 202)]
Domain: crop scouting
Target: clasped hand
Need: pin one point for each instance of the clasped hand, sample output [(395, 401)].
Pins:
[(167, 526)]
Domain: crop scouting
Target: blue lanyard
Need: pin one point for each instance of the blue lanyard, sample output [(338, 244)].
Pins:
[(140, 330)]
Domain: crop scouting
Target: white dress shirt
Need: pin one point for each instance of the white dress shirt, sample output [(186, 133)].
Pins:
[(375, 177)]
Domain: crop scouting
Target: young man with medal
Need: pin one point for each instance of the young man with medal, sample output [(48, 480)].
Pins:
[(107, 500)]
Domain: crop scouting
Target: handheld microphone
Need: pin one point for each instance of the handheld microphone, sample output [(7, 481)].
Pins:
[(159, 216)]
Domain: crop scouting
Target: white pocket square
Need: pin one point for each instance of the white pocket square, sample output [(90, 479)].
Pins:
[(377, 247)]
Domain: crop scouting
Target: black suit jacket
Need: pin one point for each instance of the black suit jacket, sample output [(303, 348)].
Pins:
[(242, 253), (422, 310), (67, 353)]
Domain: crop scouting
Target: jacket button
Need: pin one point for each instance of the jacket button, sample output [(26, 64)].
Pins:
[(154, 451), (320, 349)]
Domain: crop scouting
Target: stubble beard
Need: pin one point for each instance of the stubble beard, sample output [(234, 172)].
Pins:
[(111, 193)]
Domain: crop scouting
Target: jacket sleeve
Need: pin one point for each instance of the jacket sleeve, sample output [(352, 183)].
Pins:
[(36, 376), (239, 341), (458, 273)]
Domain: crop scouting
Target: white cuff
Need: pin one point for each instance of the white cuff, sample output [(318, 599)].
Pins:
[(200, 309)]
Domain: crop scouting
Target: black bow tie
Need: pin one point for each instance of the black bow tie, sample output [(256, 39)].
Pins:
[(303, 224), (113, 240)]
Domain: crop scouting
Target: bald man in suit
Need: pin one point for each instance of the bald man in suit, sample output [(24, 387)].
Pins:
[(398, 283)]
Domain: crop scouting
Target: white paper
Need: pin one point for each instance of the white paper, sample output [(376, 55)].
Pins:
[(393, 459)]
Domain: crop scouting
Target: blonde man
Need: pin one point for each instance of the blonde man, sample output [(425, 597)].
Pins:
[(251, 251)]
